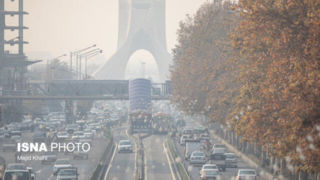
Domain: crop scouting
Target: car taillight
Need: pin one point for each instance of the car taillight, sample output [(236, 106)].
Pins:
[(239, 177), (255, 178)]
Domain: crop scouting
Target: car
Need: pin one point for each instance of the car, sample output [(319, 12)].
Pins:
[(16, 166), (17, 171), (61, 163), (68, 174), (190, 147), (125, 146), (220, 146), (18, 174), (32, 173), (200, 129), (218, 158), (210, 174), (218, 154), (207, 167), (231, 160), (198, 157), (187, 130), (62, 135), (15, 133), (247, 174), (49, 157), (204, 137)]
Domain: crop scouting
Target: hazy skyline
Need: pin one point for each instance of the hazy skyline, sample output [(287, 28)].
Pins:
[(61, 26)]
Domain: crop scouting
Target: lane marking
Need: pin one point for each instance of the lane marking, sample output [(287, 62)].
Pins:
[(110, 164), (127, 133), (145, 166), (170, 165)]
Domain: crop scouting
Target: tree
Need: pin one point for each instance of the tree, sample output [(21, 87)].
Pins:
[(280, 77), (202, 72)]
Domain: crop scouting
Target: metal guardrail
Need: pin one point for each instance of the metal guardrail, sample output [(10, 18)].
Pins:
[(104, 162), (172, 161), (179, 164)]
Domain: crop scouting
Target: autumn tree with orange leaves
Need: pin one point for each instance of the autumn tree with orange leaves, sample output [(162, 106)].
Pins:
[(280, 78), (202, 72), (273, 80)]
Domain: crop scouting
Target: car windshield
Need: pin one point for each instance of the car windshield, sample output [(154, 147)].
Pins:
[(247, 172), (211, 173), (219, 146), (198, 154), (218, 150), (68, 172), (16, 167), (125, 143), (22, 175), (210, 167), (230, 155)]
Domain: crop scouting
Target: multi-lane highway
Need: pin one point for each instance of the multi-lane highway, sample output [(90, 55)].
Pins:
[(85, 167), (194, 171), (123, 165), (156, 162)]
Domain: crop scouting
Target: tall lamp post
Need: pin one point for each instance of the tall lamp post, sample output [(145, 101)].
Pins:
[(87, 56), (76, 54)]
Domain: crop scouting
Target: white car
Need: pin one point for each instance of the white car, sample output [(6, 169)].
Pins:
[(231, 160), (61, 163), (210, 174), (67, 174), (247, 174), (219, 146), (198, 157), (208, 167), (125, 146)]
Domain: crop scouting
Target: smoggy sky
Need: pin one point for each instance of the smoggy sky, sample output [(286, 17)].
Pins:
[(61, 26)]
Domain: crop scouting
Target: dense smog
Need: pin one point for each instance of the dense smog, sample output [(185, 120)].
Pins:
[(160, 90)]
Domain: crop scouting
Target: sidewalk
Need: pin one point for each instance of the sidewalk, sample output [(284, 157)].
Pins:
[(263, 174)]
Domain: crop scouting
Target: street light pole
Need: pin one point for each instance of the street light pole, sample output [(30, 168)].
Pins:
[(88, 55), (76, 54)]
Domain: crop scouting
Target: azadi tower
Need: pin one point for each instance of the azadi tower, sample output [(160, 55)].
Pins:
[(141, 26)]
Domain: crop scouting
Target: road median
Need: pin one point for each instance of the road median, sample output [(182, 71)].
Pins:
[(177, 161)]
